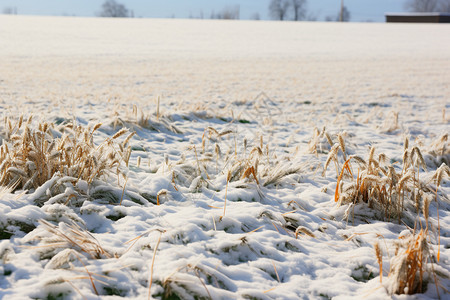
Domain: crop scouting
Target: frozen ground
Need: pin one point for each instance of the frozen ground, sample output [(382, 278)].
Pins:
[(232, 95)]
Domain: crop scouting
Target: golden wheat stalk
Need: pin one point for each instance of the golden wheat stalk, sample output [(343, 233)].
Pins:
[(379, 256)]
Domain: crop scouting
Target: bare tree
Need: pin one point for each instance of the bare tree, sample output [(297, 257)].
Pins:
[(345, 15), (422, 5), (299, 8), (311, 17), (10, 11), (342, 16), (255, 16), (444, 6), (279, 9), (112, 9), (227, 13)]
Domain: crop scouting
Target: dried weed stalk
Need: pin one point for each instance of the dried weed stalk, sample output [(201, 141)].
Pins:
[(381, 185), (73, 236), (410, 263), (31, 155)]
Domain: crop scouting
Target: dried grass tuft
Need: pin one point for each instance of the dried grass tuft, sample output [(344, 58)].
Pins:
[(33, 155), (381, 186), (74, 237), (408, 266)]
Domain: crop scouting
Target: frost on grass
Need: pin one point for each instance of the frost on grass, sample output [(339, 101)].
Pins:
[(246, 221), (307, 191)]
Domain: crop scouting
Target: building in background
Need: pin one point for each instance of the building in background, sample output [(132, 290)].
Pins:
[(427, 17)]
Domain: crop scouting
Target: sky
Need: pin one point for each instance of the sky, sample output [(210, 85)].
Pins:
[(361, 10)]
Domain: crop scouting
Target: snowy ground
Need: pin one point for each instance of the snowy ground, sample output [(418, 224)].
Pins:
[(232, 95)]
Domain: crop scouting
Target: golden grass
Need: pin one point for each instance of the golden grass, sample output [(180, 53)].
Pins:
[(409, 264), (31, 155), (379, 256), (387, 187), (392, 189), (442, 171), (248, 163), (73, 236), (151, 121)]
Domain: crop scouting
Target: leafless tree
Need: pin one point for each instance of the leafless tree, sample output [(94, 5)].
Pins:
[(444, 6), (422, 5), (255, 16), (279, 9), (112, 9), (299, 9), (227, 13), (10, 11), (345, 16)]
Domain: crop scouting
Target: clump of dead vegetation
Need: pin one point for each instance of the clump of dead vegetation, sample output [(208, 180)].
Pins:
[(387, 187), (243, 164), (413, 264), (31, 154), (393, 189), (439, 151), (124, 117), (409, 265), (69, 247)]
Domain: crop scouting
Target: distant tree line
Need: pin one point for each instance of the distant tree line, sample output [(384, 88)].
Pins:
[(227, 13), (288, 9), (428, 5), (296, 10)]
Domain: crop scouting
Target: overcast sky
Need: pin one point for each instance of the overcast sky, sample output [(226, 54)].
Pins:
[(361, 10)]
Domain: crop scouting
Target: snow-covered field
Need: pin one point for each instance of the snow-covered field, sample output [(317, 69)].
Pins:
[(224, 194)]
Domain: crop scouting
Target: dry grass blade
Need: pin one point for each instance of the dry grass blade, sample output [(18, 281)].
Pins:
[(328, 137), (440, 173), (222, 133), (211, 130), (97, 126), (346, 166), (276, 272), (89, 274), (201, 281), (152, 265), (302, 229), (426, 209), (250, 171), (379, 256), (331, 156), (420, 160), (119, 133), (162, 192), (342, 144), (127, 139)]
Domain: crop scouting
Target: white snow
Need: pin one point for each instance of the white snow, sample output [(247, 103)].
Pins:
[(269, 83)]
